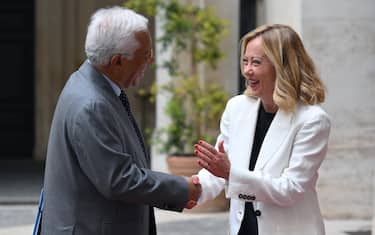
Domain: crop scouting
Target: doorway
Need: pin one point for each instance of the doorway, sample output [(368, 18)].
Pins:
[(17, 79), (247, 18)]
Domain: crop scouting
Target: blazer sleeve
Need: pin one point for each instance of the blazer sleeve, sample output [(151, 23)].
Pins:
[(309, 147), (212, 185), (100, 153)]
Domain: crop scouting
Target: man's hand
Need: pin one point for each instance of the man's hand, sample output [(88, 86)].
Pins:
[(195, 191)]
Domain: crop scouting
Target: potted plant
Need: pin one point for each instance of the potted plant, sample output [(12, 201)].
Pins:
[(196, 102)]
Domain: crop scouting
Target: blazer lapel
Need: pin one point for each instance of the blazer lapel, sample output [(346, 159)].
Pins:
[(276, 134), (244, 133)]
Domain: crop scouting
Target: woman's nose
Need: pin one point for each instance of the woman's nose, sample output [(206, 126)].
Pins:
[(248, 69)]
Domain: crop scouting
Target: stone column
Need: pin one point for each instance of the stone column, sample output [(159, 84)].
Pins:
[(285, 12), (56, 47), (158, 160), (226, 74), (373, 204), (60, 35)]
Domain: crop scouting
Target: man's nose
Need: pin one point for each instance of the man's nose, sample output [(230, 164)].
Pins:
[(151, 60)]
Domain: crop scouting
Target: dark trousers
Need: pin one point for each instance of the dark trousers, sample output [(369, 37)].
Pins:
[(249, 225)]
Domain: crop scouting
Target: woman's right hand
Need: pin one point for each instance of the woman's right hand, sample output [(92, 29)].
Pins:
[(214, 161)]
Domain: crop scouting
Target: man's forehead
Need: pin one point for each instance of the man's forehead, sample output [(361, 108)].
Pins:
[(144, 39)]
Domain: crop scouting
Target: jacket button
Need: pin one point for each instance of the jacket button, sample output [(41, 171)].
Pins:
[(258, 213), (239, 215)]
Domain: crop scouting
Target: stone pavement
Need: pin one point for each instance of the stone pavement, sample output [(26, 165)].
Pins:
[(20, 183), (18, 220)]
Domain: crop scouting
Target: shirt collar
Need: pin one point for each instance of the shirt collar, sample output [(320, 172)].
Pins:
[(115, 87)]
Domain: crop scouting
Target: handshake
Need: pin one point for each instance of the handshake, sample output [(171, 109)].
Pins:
[(195, 191), (214, 161)]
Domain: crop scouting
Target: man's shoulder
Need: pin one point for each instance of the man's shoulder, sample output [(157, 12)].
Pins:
[(81, 95)]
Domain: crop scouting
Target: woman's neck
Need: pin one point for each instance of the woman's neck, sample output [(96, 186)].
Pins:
[(270, 107)]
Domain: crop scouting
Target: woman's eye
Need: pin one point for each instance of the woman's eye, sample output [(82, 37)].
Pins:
[(245, 61), (255, 62)]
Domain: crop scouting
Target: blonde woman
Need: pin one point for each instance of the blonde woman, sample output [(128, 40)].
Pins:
[(272, 140)]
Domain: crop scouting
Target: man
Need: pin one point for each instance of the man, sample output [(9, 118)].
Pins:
[(98, 178)]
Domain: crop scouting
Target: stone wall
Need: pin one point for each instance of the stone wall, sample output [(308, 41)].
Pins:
[(373, 214), (60, 35), (340, 36)]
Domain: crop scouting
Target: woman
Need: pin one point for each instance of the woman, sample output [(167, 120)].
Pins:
[(272, 140)]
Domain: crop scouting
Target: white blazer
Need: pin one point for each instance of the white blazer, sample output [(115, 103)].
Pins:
[(282, 185)]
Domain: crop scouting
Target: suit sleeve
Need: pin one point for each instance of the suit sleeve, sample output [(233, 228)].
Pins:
[(308, 151), (101, 156)]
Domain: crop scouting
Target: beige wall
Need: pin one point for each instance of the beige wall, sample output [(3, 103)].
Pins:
[(60, 34), (340, 35), (228, 69), (281, 12), (373, 205)]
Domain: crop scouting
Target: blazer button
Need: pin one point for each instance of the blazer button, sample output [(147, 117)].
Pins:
[(258, 213), (239, 215)]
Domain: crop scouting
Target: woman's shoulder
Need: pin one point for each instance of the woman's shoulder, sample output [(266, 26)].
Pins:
[(311, 112), (241, 100)]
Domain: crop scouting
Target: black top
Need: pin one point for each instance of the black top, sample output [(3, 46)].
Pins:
[(249, 225)]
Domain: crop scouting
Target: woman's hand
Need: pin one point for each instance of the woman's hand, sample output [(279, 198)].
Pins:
[(214, 161)]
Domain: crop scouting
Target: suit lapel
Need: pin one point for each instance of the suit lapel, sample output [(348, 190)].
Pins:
[(105, 88), (276, 134), (244, 134)]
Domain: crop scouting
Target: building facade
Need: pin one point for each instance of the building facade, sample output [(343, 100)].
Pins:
[(339, 34)]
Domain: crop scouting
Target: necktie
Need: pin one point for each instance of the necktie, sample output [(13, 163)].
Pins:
[(125, 102)]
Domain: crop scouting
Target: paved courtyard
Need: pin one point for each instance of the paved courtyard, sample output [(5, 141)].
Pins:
[(18, 220), (20, 183)]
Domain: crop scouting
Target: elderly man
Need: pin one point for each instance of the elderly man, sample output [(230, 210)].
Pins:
[(98, 178)]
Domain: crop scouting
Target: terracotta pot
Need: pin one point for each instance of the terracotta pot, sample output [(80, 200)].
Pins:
[(187, 165)]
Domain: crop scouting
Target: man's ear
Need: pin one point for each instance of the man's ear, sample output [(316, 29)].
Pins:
[(116, 60)]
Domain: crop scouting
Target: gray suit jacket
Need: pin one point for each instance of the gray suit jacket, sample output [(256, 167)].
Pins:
[(97, 179)]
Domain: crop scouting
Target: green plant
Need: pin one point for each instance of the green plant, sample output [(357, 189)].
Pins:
[(196, 102)]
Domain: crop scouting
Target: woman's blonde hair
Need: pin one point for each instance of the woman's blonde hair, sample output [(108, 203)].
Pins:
[(296, 77)]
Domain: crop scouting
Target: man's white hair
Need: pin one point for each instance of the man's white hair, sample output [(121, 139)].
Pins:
[(112, 31)]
